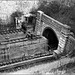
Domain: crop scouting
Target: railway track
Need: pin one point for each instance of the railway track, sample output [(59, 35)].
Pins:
[(25, 63)]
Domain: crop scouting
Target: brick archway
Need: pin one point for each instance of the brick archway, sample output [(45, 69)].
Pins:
[(52, 38), (63, 32)]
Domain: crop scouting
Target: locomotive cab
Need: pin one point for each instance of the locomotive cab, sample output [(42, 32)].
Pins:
[(26, 22), (30, 21)]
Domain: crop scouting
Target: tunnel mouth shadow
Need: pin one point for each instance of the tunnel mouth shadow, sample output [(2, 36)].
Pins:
[(51, 36)]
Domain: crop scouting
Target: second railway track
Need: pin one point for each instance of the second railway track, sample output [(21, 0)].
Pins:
[(26, 63)]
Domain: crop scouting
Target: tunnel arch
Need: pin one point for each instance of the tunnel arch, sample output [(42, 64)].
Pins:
[(51, 36)]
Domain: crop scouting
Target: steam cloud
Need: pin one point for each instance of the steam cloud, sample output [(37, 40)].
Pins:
[(9, 7)]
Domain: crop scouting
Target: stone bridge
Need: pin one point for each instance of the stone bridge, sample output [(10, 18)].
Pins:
[(60, 38)]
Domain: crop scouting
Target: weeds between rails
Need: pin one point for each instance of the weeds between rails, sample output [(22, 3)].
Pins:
[(26, 65)]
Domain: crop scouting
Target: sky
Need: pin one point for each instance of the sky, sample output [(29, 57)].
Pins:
[(8, 7)]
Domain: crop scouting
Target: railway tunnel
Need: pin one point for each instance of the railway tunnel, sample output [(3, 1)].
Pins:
[(51, 36)]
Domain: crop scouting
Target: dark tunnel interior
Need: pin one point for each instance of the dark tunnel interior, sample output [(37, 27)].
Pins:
[(52, 38)]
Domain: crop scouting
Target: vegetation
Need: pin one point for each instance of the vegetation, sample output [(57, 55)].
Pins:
[(15, 14), (63, 13)]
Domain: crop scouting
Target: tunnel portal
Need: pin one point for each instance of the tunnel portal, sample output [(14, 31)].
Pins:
[(52, 38)]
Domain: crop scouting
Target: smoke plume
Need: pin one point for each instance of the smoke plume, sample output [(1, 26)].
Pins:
[(9, 7)]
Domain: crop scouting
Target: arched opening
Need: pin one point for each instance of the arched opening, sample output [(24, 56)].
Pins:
[(52, 38)]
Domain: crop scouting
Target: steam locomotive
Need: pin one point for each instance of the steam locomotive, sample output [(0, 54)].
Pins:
[(21, 44)]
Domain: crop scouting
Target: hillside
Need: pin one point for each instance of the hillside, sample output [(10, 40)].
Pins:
[(63, 11)]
